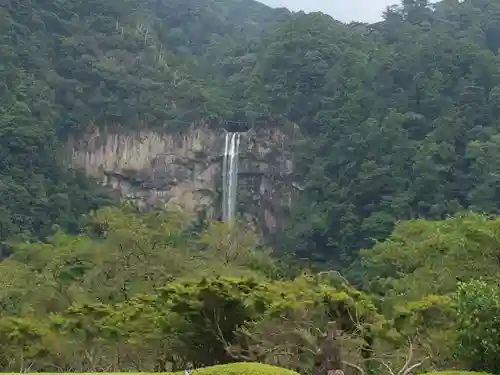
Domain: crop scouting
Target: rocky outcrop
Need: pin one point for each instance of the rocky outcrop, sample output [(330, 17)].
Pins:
[(154, 168)]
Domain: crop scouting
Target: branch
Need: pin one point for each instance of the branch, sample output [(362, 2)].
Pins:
[(385, 365), (361, 371), (217, 331), (408, 359), (409, 369), (338, 274)]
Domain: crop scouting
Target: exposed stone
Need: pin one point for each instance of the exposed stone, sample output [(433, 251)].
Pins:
[(155, 168)]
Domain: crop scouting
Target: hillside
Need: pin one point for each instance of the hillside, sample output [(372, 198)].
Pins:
[(400, 117), (195, 27), (66, 66), (379, 143), (402, 120)]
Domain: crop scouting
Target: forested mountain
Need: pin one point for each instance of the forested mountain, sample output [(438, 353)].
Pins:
[(400, 140), (403, 118), (195, 27), (399, 117), (66, 65)]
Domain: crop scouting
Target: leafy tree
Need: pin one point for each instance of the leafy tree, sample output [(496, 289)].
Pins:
[(424, 257), (478, 305)]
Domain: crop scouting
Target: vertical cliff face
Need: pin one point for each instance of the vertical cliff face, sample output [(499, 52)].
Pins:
[(153, 168)]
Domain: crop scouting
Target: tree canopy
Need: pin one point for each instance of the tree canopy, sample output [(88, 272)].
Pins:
[(398, 162)]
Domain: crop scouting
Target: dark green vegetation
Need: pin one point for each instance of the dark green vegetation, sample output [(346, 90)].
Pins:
[(400, 122), (404, 118), (399, 118), (67, 66)]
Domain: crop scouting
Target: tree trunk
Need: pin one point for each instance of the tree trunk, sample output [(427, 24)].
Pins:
[(328, 360)]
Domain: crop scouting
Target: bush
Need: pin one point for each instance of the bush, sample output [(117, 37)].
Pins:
[(243, 368), (478, 313), (457, 373)]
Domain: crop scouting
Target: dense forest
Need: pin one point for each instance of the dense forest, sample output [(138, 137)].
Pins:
[(399, 158)]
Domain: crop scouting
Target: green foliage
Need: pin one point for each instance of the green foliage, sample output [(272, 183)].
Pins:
[(478, 310), (399, 118), (209, 28), (417, 269), (67, 67), (432, 321), (244, 369), (218, 312), (142, 291), (399, 122), (123, 253), (22, 341), (426, 257)]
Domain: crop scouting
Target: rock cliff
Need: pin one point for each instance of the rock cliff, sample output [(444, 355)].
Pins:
[(153, 168)]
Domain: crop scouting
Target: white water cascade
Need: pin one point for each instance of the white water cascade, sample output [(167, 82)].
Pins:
[(230, 175)]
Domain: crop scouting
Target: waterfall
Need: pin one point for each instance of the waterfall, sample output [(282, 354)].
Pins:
[(230, 175)]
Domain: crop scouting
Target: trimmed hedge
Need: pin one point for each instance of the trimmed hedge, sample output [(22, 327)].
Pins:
[(243, 368)]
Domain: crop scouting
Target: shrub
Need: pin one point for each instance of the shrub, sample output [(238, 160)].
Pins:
[(243, 368), (478, 313), (457, 373)]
